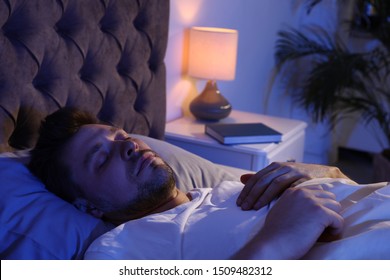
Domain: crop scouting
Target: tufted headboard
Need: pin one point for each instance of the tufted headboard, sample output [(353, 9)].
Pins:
[(103, 56)]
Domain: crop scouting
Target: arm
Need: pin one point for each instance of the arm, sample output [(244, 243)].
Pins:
[(294, 224), (261, 188)]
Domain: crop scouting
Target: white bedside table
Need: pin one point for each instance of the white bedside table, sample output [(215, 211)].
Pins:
[(188, 133)]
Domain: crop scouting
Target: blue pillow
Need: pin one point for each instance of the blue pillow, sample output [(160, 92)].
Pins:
[(36, 224)]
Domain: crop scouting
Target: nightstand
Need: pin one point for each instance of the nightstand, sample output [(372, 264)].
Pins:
[(188, 133)]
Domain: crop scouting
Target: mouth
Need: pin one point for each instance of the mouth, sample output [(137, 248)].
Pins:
[(146, 159)]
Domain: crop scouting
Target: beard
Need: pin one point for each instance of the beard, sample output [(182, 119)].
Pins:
[(155, 191), (150, 194)]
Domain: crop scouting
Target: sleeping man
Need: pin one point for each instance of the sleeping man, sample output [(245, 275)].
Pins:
[(106, 173)]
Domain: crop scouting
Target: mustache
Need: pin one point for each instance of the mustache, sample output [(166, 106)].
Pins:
[(142, 152), (139, 154)]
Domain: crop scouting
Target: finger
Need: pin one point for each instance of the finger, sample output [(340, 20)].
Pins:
[(336, 222), (332, 204), (323, 197), (252, 182), (245, 177), (326, 194), (274, 190), (314, 187), (256, 196), (277, 187), (299, 181)]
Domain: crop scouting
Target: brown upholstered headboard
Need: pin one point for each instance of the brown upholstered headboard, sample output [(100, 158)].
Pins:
[(103, 56)]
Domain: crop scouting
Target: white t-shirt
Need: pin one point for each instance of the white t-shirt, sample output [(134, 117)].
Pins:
[(211, 226)]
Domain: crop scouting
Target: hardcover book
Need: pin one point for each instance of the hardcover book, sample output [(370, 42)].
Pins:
[(243, 133)]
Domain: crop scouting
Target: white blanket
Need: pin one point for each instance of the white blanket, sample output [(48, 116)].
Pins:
[(366, 212), (211, 226)]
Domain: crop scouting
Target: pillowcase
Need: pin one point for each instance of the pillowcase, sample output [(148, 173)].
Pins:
[(191, 171), (36, 224)]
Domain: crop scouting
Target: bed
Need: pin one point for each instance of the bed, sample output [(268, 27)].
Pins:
[(102, 56)]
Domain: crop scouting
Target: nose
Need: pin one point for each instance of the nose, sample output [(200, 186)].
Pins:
[(128, 148)]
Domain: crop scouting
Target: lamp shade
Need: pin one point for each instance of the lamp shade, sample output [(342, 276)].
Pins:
[(212, 53)]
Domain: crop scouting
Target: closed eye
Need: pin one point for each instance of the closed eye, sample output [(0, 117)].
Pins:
[(101, 160)]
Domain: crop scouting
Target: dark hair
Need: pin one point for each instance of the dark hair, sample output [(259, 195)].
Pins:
[(46, 164)]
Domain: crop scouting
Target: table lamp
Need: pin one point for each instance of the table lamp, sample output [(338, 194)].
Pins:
[(212, 55)]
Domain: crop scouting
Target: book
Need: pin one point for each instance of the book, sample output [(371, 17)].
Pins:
[(242, 133)]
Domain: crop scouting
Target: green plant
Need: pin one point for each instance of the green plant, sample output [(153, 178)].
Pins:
[(339, 81)]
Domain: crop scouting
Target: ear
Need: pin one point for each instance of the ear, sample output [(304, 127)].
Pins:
[(87, 207), (97, 213)]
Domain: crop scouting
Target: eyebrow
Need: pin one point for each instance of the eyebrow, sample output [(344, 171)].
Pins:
[(95, 148)]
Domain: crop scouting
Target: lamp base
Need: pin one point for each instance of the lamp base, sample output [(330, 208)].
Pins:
[(210, 105)]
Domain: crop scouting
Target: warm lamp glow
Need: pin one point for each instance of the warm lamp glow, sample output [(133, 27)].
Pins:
[(212, 53), (187, 10)]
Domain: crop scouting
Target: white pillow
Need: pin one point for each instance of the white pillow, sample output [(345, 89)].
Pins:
[(191, 170), (35, 224)]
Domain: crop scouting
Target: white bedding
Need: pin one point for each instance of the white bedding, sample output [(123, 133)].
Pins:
[(215, 228), (366, 212)]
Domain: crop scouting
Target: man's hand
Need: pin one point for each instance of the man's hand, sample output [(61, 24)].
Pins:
[(294, 224), (267, 184)]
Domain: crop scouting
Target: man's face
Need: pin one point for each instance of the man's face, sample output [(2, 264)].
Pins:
[(117, 174)]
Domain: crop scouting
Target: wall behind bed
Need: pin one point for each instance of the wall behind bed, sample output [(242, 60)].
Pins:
[(258, 23), (102, 56)]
